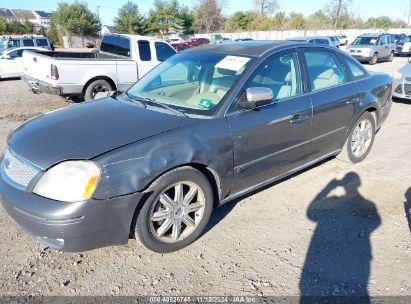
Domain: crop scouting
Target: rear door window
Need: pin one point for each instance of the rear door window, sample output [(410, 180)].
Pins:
[(163, 51), (28, 42), (42, 42), (324, 68), (356, 69), (144, 50)]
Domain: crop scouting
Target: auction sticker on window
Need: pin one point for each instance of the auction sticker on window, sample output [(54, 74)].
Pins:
[(233, 63)]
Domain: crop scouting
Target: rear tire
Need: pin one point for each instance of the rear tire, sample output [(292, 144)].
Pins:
[(99, 85), (360, 140), (172, 217), (391, 57), (374, 59)]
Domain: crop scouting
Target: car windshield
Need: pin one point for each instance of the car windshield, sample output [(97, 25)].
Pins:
[(192, 83), (366, 41)]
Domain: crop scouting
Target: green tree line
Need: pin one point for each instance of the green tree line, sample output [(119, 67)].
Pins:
[(170, 17), (17, 28)]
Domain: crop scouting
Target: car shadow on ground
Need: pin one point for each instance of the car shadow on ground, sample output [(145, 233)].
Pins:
[(10, 79), (401, 100), (337, 264), (221, 212)]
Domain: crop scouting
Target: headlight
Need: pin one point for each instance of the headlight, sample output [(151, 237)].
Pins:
[(397, 76), (69, 181)]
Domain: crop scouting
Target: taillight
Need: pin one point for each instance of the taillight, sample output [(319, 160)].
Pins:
[(54, 72)]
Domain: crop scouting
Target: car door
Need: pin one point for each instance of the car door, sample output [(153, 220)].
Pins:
[(384, 49), (13, 66), (271, 140), (334, 100)]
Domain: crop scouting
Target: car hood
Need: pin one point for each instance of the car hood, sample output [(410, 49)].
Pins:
[(405, 70), (88, 130)]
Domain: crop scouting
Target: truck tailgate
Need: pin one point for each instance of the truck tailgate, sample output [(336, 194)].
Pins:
[(37, 66)]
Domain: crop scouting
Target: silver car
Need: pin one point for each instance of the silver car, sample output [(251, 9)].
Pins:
[(13, 42), (402, 82), (372, 48)]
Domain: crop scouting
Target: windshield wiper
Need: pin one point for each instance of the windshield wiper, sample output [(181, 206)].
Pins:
[(136, 100), (154, 102), (143, 101)]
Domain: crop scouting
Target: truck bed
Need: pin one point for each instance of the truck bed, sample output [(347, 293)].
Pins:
[(78, 55)]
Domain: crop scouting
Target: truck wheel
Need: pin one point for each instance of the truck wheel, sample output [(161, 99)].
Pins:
[(97, 86), (374, 59), (176, 211)]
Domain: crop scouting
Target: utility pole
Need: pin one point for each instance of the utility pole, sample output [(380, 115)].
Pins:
[(409, 15), (98, 11)]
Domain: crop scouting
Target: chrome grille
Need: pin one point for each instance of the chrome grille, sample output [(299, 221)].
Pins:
[(17, 171)]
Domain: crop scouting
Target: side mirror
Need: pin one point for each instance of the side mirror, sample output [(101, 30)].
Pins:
[(256, 97), (7, 56)]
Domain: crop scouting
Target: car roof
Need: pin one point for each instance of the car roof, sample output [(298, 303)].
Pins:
[(25, 48), (251, 48), (320, 37), (137, 37), (372, 35)]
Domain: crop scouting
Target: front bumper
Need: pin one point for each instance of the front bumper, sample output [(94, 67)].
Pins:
[(361, 57), (71, 227), (37, 86), (402, 88)]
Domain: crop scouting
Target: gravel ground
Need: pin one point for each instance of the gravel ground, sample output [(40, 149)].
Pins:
[(335, 229)]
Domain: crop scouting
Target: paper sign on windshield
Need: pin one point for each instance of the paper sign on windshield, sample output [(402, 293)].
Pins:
[(233, 63)]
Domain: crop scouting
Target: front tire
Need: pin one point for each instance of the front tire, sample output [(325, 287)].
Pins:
[(97, 86), (360, 140), (177, 210), (374, 59)]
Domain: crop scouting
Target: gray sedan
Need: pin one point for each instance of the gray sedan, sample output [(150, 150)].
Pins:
[(203, 128)]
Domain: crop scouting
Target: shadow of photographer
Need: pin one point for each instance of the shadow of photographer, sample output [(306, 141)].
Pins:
[(339, 256)]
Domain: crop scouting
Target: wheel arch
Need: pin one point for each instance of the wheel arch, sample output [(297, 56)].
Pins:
[(211, 175), (372, 109), (101, 77)]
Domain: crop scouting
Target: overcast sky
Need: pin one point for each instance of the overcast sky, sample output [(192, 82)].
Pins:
[(366, 8)]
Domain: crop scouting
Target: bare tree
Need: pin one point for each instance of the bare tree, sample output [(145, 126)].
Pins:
[(266, 7), (208, 16), (336, 8)]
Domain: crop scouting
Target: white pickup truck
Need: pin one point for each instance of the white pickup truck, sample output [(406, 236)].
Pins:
[(118, 64)]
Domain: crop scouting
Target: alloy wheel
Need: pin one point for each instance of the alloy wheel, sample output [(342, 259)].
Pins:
[(177, 212), (361, 138)]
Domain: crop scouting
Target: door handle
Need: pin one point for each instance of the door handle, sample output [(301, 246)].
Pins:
[(353, 100), (298, 118)]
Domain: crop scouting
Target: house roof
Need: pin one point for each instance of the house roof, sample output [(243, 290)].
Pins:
[(43, 14), (112, 29), (23, 14), (6, 13)]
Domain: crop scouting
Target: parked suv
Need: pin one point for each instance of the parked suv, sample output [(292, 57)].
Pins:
[(8, 43), (373, 47)]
